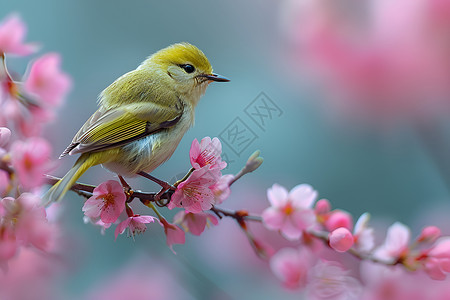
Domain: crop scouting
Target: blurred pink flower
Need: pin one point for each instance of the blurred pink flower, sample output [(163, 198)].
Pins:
[(221, 189), (329, 280), (4, 183), (8, 245), (363, 235), (107, 202), (338, 218), (429, 234), (47, 81), (12, 34), (340, 239), (23, 222), (207, 152), (5, 135), (174, 234), (290, 212), (194, 223), (396, 245), (31, 225), (31, 121), (437, 263), (291, 266), (30, 160), (42, 274), (135, 225), (381, 59), (322, 207), (395, 283), (139, 278), (194, 194)]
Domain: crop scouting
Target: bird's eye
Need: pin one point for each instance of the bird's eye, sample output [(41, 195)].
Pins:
[(188, 68)]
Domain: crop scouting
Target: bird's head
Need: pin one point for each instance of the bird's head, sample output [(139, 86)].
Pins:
[(187, 69)]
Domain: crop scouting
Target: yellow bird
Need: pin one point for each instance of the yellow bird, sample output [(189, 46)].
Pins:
[(142, 117)]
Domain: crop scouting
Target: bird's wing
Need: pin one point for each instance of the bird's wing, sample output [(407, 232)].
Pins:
[(111, 128)]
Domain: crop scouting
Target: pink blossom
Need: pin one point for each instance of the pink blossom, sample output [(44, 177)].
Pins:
[(5, 135), (174, 234), (290, 213), (8, 245), (194, 194), (107, 202), (195, 223), (395, 246), (338, 218), (4, 183), (384, 60), (291, 266), (221, 189), (24, 222), (39, 270), (322, 207), (206, 153), (12, 33), (341, 239), (429, 234), (329, 280), (139, 278), (363, 235), (437, 262), (31, 225), (30, 160), (31, 121), (135, 225), (46, 80)]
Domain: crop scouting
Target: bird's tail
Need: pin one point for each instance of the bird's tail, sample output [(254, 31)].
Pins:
[(57, 192)]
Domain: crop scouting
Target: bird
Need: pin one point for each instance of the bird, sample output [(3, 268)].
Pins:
[(141, 117)]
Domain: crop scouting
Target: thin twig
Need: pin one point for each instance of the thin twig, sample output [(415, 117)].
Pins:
[(322, 235), (87, 190)]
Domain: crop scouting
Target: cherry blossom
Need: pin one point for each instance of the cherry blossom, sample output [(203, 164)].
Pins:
[(437, 263), (429, 234), (322, 207), (194, 223), (23, 222), (194, 194), (206, 153), (329, 280), (31, 159), (341, 239), (395, 246), (5, 135), (291, 266), (384, 64), (135, 225), (290, 212), (363, 235), (221, 189), (338, 218), (4, 182), (12, 34), (47, 81), (174, 234), (107, 202)]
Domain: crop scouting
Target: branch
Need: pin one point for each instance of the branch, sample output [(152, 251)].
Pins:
[(86, 191)]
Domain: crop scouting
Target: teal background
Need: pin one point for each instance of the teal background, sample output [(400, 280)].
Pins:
[(389, 173)]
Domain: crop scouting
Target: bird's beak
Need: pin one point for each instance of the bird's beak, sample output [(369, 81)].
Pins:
[(216, 77)]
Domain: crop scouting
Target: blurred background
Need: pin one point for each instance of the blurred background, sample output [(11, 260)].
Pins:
[(349, 96)]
